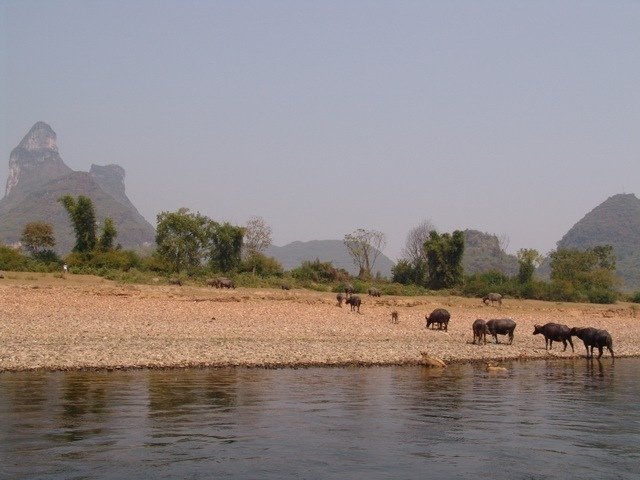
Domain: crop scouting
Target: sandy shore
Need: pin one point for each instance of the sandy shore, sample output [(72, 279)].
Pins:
[(90, 323)]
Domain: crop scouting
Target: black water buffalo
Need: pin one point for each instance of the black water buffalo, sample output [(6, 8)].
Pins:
[(354, 301), (492, 297), (439, 316), (374, 292), (501, 326), (340, 299), (394, 316), (479, 328), (592, 337), (554, 332)]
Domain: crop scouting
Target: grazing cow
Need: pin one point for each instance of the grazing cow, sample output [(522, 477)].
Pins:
[(554, 332), (592, 337), (394, 316), (224, 282), (374, 292), (439, 316), (479, 328), (175, 281), (492, 297), (354, 301), (501, 326), (340, 299), (348, 290)]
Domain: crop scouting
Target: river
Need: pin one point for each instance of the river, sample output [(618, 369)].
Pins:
[(539, 420)]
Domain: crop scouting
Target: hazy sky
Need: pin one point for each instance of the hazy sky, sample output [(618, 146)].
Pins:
[(509, 117)]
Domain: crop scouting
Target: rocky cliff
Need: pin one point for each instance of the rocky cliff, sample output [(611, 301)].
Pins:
[(38, 177)]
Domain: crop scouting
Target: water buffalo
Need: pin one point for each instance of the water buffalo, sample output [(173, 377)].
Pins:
[(501, 326), (394, 316), (349, 289), (175, 281), (554, 332), (374, 292), (439, 316), (479, 328), (354, 301), (592, 337), (224, 282), (285, 287), (340, 299), (492, 297)]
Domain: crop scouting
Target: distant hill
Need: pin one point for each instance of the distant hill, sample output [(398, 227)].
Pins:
[(614, 222), (293, 254), (482, 253), (38, 177)]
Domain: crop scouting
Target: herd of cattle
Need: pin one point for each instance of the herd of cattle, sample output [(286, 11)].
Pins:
[(552, 332), (439, 318)]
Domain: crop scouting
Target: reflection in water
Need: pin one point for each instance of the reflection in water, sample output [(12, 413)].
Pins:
[(578, 417)]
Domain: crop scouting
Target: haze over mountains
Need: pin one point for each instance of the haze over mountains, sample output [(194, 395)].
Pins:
[(38, 177)]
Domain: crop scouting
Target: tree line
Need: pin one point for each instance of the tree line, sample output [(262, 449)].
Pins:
[(190, 243)]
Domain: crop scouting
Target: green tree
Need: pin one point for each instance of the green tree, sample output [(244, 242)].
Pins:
[(37, 238), (83, 218), (528, 260), (224, 245), (180, 237), (262, 265), (109, 234), (444, 259), (318, 271), (590, 274)]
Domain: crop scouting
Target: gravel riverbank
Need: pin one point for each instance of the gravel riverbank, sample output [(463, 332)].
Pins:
[(90, 323)]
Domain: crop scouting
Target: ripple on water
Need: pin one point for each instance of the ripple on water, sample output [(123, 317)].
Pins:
[(578, 418)]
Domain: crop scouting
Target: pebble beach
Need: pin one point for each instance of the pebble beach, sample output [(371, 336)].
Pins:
[(81, 322)]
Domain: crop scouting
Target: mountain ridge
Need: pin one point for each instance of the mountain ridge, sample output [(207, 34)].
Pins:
[(38, 177)]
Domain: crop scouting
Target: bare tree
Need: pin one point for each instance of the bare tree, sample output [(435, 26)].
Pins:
[(257, 236), (365, 246), (413, 250)]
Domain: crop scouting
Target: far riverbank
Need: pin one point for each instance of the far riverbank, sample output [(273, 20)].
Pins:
[(83, 322)]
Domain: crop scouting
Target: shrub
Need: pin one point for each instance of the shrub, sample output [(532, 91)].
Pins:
[(635, 297), (602, 295), (318, 271), (262, 265), (11, 259)]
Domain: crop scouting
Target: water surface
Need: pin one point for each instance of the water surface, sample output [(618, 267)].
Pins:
[(560, 419)]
